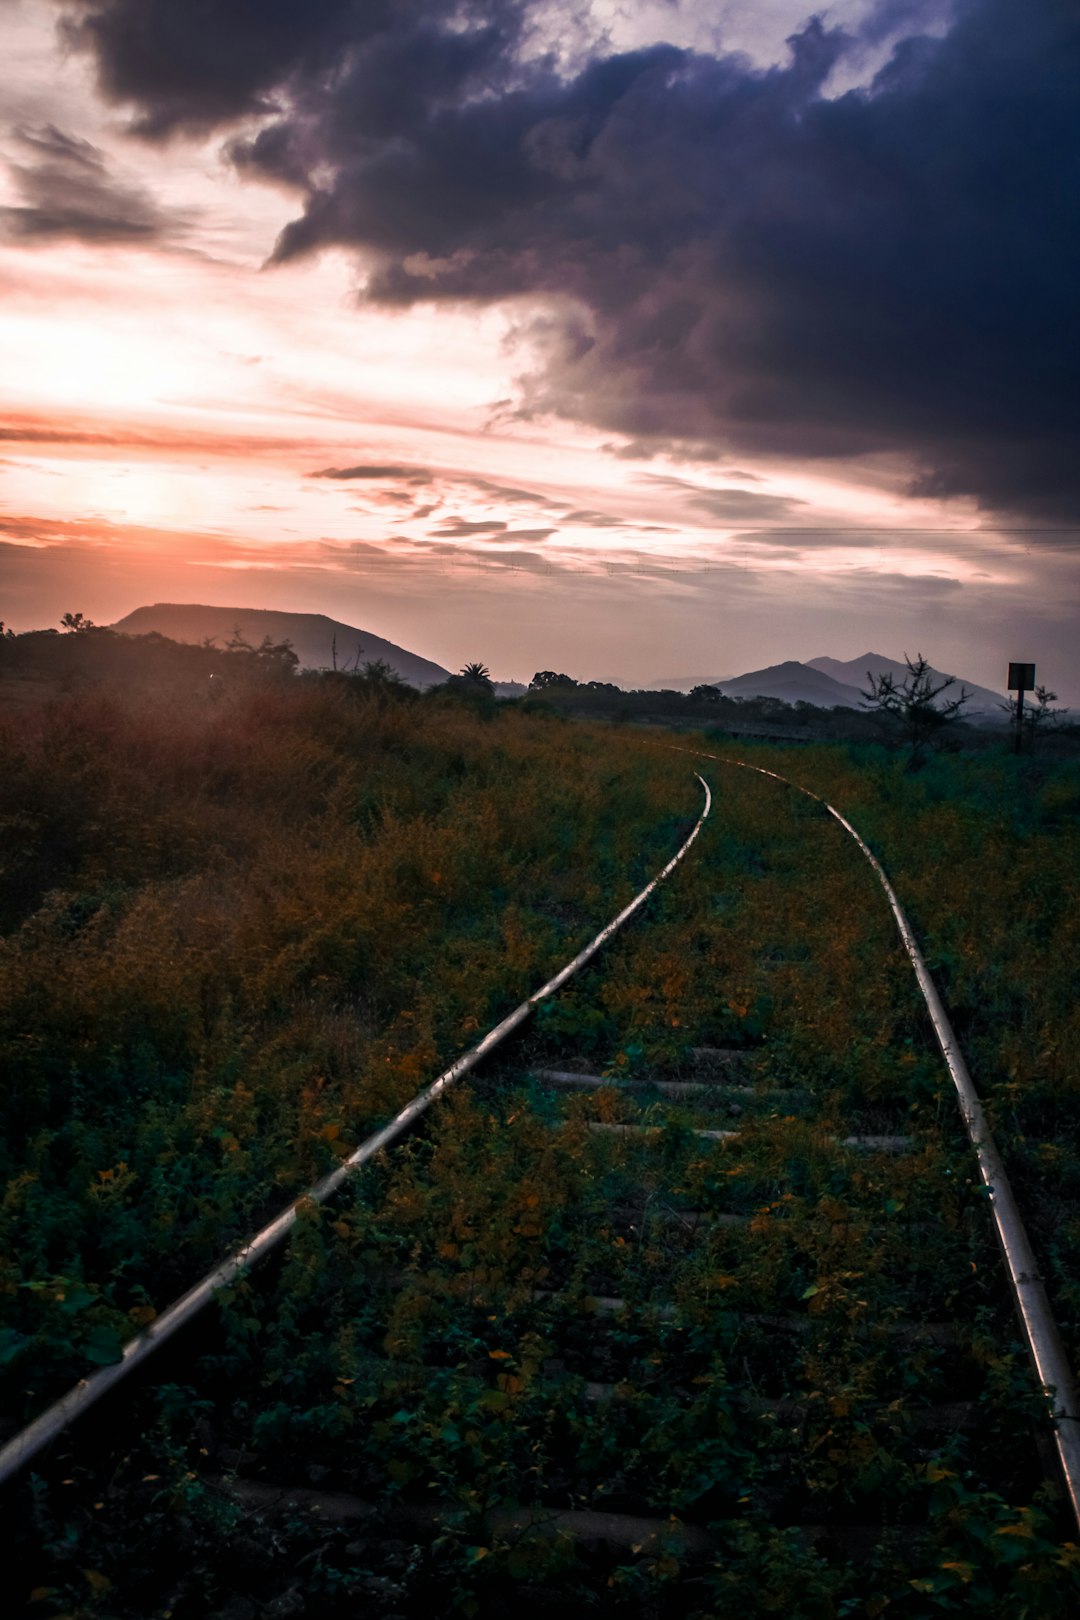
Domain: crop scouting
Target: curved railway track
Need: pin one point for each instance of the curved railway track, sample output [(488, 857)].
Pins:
[(667, 1358), (1040, 1331)]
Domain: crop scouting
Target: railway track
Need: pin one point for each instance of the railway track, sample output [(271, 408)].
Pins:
[(608, 1332)]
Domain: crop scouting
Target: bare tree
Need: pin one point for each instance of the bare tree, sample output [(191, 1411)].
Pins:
[(354, 667), (913, 703), (268, 655)]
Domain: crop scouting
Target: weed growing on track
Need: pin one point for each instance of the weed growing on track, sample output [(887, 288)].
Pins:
[(236, 939)]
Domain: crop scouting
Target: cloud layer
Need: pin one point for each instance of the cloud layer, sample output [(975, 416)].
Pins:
[(68, 192), (704, 249)]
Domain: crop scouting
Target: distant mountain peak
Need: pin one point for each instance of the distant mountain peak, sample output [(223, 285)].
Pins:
[(982, 701), (794, 682)]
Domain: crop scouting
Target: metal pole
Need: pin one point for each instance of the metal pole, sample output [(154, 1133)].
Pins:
[(1019, 742)]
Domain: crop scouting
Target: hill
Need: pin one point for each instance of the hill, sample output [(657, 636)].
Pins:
[(832, 683), (793, 682), (312, 636), (983, 704)]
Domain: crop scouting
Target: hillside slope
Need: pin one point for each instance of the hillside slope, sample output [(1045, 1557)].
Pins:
[(312, 636), (794, 683)]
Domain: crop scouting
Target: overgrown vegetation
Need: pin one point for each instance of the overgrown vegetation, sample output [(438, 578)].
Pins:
[(913, 715), (239, 931)]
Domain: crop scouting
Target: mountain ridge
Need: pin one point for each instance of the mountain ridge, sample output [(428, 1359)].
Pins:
[(794, 682), (311, 635), (790, 681), (982, 699), (835, 683), (824, 682)]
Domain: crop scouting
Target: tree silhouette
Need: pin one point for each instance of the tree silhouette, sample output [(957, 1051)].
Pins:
[(381, 679), (276, 656), (549, 677), (478, 676), (913, 703)]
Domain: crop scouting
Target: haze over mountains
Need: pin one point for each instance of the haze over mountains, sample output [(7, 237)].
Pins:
[(826, 682), (834, 683), (981, 700), (794, 683)]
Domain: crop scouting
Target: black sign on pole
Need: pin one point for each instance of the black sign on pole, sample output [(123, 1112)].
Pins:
[(1021, 680)]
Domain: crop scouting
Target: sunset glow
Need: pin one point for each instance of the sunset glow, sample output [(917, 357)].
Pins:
[(189, 413)]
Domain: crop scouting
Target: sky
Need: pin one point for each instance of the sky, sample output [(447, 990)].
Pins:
[(636, 340)]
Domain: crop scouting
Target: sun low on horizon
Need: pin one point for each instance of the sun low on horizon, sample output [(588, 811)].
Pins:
[(634, 341)]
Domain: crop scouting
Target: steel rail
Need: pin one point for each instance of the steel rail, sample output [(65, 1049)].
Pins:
[(56, 1418), (1040, 1330)]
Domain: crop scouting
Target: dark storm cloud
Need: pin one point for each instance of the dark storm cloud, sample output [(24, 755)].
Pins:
[(67, 191), (189, 65), (725, 254)]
